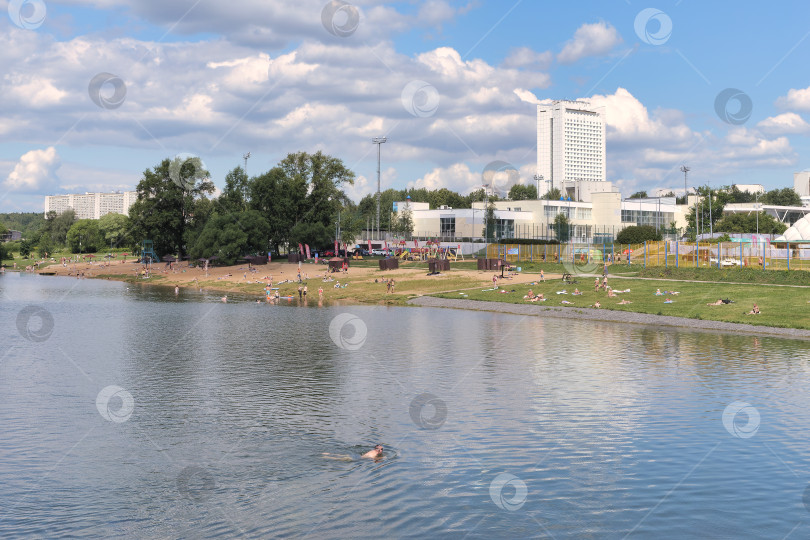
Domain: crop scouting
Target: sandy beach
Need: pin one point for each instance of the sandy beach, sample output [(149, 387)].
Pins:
[(360, 285)]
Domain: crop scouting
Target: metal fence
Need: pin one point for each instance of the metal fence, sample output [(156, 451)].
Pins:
[(781, 256)]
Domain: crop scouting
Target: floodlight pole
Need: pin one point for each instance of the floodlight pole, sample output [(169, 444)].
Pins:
[(378, 141), (685, 170), (244, 193), (711, 225)]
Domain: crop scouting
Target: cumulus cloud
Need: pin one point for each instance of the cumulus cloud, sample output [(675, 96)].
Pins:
[(524, 57), (796, 100), (596, 39), (457, 177), (35, 172), (629, 123), (784, 124)]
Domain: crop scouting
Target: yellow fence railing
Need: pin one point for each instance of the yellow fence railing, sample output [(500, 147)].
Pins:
[(774, 256)]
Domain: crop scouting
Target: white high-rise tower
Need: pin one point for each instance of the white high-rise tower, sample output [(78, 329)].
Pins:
[(570, 146)]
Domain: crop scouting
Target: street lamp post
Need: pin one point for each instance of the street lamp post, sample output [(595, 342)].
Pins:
[(378, 141)]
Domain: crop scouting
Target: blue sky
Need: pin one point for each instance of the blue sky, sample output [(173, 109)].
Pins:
[(452, 84)]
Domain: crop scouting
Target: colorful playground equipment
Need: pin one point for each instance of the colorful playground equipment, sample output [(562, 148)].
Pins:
[(431, 250), (148, 252)]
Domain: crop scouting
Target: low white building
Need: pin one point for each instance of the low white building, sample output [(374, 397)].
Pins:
[(600, 219), (92, 205)]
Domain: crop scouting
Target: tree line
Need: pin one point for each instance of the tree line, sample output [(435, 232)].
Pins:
[(300, 200)]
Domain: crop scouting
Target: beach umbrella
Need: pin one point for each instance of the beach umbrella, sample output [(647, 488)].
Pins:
[(90, 256), (169, 258)]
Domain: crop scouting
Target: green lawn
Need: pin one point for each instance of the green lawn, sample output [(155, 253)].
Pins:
[(785, 307)]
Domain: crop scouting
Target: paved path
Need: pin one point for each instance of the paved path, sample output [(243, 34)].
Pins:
[(591, 314)]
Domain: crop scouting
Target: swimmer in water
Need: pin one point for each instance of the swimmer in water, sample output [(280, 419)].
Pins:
[(373, 454)]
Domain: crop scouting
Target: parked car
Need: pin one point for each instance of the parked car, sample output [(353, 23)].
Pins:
[(383, 252)]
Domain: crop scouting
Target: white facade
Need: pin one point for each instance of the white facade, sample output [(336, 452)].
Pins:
[(604, 217), (801, 183), (92, 205), (570, 146)]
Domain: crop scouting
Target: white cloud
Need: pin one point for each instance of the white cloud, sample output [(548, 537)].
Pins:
[(457, 177), (524, 57), (35, 172), (797, 100), (784, 124), (630, 123), (596, 39)]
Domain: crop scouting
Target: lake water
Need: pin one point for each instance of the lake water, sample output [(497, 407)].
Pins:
[(128, 411)]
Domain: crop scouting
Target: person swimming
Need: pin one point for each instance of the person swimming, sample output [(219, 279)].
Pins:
[(375, 453)]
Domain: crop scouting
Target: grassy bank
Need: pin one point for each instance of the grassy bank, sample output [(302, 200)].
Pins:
[(729, 275), (782, 307)]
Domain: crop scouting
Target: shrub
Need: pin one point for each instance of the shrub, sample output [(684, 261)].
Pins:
[(637, 234)]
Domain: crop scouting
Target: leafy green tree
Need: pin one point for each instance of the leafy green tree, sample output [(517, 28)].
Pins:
[(166, 197), (57, 226), (367, 208), (44, 246), (638, 195), (782, 197), (84, 236), (231, 236), (281, 200), (350, 230), (562, 228), (638, 234), (3, 229), (26, 247), (316, 235), (28, 223), (553, 194), (521, 192), (747, 223), (323, 175), (490, 224), (404, 223), (4, 253), (236, 195), (737, 196), (114, 229), (705, 211)]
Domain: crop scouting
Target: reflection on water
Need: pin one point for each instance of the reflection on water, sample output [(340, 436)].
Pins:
[(493, 425)]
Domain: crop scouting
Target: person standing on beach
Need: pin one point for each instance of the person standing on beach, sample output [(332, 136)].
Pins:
[(305, 291), (320, 292), (542, 277), (300, 291)]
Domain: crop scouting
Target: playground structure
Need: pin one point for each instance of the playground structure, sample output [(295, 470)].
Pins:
[(148, 252), (431, 250)]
